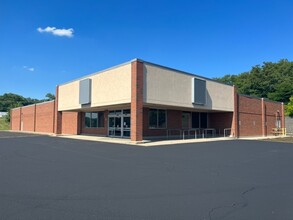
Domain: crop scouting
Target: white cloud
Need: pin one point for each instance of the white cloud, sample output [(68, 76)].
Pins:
[(31, 69), (57, 32)]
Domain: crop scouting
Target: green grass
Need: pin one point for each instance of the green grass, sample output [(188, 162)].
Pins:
[(4, 125)]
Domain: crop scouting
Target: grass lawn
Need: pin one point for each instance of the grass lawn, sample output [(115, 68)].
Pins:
[(4, 125)]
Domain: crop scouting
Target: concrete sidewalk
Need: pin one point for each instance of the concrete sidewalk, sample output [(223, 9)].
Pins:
[(150, 143), (145, 143)]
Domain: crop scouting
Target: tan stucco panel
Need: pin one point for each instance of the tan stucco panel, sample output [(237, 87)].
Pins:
[(164, 86), (109, 87), (68, 97), (112, 87)]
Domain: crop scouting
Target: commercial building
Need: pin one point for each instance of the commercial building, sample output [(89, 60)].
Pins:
[(142, 100)]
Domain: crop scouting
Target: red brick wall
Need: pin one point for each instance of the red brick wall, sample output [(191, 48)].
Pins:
[(250, 116), (174, 121), (271, 109), (220, 121), (41, 118), (98, 131), (251, 120), (35, 118), (45, 117), (235, 125), (70, 123), (28, 118), (15, 119)]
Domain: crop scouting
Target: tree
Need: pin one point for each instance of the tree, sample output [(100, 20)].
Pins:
[(269, 80), (9, 101), (50, 97), (289, 107)]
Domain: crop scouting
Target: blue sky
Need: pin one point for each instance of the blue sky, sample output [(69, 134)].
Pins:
[(207, 37)]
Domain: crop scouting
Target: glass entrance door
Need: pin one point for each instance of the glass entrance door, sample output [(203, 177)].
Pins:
[(126, 126), (119, 123)]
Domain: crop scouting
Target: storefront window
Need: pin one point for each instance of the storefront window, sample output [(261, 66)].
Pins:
[(199, 120), (101, 119), (157, 118), (161, 118), (94, 119), (88, 120)]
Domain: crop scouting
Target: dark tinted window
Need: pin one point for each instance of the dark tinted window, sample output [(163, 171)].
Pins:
[(195, 119), (157, 118), (153, 118), (88, 120), (94, 119), (203, 120), (161, 118), (101, 119)]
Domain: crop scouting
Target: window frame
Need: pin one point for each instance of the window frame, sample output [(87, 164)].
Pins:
[(201, 115), (91, 118), (157, 119)]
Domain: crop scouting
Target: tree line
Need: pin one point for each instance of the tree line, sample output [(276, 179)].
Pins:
[(269, 80), (10, 100)]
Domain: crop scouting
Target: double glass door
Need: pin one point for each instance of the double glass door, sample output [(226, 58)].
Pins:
[(119, 123)]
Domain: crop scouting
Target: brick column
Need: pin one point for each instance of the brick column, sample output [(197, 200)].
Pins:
[(235, 125), (283, 115), (20, 117), (136, 101), (35, 117), (57, 115), (79, 123), (263, 118)]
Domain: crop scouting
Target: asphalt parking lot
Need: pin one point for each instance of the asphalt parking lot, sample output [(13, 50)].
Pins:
[(44, 177)]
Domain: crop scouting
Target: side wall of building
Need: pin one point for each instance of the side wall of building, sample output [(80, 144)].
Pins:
[(271, 111), (15, 119), (28, 118), (250, 116), (41, 118), (257, 117), (45, 117), (34, 118)]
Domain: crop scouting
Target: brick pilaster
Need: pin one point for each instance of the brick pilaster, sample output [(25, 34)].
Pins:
[(283, 116), (20, 117), (235, 126), (136, 101), (35, 117), (57, 115), (263, 118)]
